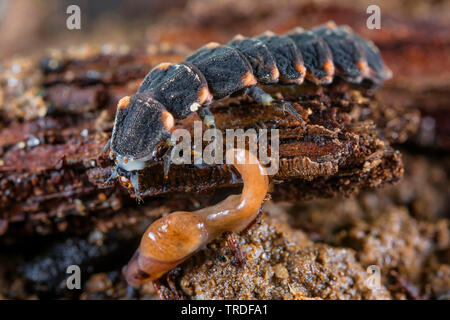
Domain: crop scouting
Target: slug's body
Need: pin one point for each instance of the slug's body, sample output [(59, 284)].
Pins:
[(172, 92), (172, 239)]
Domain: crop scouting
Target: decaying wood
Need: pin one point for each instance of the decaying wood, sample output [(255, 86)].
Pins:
[(52, 167), (339, 150), (57, 115)]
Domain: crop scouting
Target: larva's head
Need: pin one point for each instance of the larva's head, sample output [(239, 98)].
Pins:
[(142, 124)]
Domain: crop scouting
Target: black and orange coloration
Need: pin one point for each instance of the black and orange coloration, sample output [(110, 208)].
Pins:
[(316, 54), (261, 59), (174, 91), (288, 58)]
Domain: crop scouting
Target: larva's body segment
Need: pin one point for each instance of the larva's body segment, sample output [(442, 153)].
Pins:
[(174, 91), (378, 71), (134, 116), (348, 55), (288, 57), (316, 54), (226, 70), (177, 86), (259, 57)]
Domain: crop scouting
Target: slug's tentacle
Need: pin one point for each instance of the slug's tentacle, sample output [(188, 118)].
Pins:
[(172, 239)]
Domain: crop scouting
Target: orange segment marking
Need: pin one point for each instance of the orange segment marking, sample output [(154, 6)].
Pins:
[(331, 25), (239, 37), (362, 65), (168, 120), (204, 95), (163, 66), (301, 69), (328, 66), (124, 102), (275, 73), (248, 79), (212, 45)]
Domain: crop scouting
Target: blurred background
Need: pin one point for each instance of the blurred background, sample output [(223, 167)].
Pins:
[(29, 26)]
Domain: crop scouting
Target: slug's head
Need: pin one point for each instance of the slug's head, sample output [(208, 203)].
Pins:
[(142, 124), (166, 243)]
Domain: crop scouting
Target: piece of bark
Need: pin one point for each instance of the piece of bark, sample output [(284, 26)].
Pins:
[(101, 79), (338, 151), (52, 167)]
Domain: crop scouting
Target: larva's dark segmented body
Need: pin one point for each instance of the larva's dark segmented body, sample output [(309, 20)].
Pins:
[(174, 91)]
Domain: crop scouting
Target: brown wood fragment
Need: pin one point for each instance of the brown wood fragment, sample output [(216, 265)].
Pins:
[(51, 168)]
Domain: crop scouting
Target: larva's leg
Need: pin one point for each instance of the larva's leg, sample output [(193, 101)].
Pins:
[(235, 249), (107, 146), (287, 106), (266, 100), (112, 176), (167, 158), (259, 126), (207, 117), (134, 180)]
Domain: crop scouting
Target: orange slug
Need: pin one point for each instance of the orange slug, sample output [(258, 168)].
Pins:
[(172, 239)]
